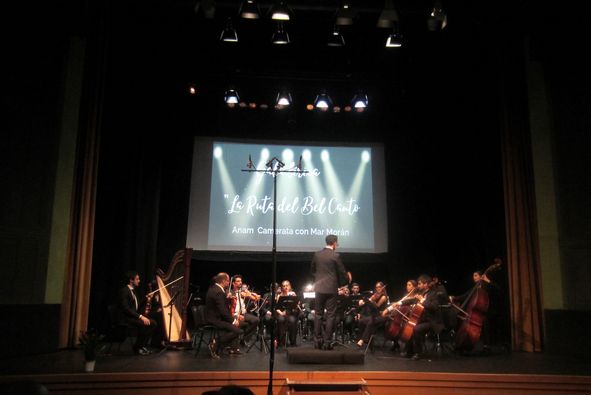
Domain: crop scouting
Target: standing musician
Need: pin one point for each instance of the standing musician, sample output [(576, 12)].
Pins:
[(133, 315), (239, 300), (371, 319), (430, 296), (287, 319), (217, 313), (481, 280)]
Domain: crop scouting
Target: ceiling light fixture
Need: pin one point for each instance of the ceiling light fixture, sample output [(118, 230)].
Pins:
[(280, 11), (229, 34), (283, 98), (389, 16), (231, 97), (360, 100), (437, 19), (323, 101), (345, 14), (336, 39), (249, 10), (395, 39), (280, 36)]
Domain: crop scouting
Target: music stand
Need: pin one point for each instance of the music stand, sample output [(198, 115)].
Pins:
[(260, 335), (287, 303)]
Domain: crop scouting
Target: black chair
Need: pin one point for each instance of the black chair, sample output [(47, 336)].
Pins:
[(201, 328), (117, 332)]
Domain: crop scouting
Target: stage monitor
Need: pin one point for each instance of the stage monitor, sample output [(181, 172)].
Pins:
[(340, 190)]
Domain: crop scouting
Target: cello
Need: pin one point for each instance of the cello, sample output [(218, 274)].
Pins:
[(398, 317), (416, 311), (472, 312)]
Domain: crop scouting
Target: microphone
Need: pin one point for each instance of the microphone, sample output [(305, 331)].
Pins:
[(250, 165), (300, 164)]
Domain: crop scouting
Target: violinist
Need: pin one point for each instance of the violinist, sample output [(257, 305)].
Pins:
[(132, 314), (217, 313), (371, 319), (431, 294), (239, 300), (287, 317)]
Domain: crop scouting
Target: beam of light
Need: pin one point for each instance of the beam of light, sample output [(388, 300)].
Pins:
[(227, 185), (256, 183), (356, 186)]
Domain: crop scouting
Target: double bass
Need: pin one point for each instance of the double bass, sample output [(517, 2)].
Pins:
[(472, 312)]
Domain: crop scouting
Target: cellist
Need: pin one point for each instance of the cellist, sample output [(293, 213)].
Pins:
[(397, 315), (431, 294)]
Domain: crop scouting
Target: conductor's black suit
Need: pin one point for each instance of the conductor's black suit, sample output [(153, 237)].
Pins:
[(329, 274)]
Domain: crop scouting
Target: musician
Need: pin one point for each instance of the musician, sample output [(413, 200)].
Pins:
[(242, 296), (430, 295), (371, 319), (132, 315), (482, 280), (329, 275), (287, 319), (217, 313), (351, 319), (396, 307), (265, 309)]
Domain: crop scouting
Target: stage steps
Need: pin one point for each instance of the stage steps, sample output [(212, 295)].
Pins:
[(319, 387)]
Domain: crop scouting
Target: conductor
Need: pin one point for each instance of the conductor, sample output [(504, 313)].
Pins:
[(329, 275)]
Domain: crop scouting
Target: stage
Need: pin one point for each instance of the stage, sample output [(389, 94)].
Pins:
[(382, 372)]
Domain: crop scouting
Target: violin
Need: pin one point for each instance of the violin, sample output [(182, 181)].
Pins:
[(149, 296)]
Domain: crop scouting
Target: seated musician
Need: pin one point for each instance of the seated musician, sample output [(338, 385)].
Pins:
[(396, 308), (371, 319), (351, 320), (132, 314), (430, 296), (217, 313), (243, 297), (287, 319)]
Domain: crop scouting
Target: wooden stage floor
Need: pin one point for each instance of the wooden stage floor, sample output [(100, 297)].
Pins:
[(384, 372)]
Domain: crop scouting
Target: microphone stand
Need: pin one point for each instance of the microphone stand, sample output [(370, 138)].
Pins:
[(274, 167)]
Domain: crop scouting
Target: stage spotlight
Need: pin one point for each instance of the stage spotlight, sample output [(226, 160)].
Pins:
[(283, 98), (389, 15), (336, 39), (280, 36), (322, 102), (231, 97), (395, 39), (309, 107), (249, 10), (437, 19), (280, 11), (229, 34), (359, 100), (192, 90), (345, 14)]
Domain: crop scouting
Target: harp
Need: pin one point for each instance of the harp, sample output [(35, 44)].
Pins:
[(174, 296)]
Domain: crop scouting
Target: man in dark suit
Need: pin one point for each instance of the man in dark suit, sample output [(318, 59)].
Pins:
[(218, 314), (329, 275), (129, 307)]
